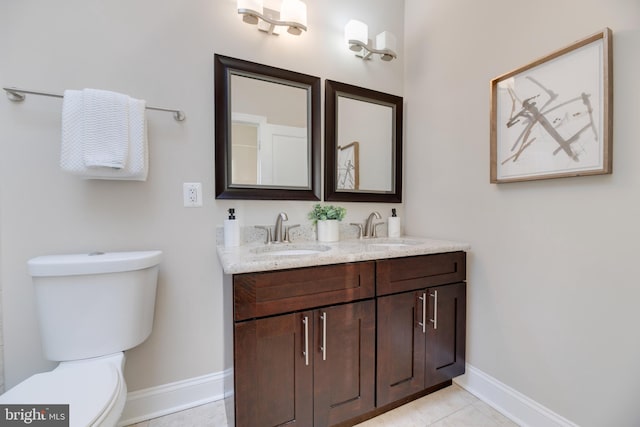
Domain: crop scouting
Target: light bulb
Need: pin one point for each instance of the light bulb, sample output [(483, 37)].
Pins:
[(294, 11), (356, 31), (386, 40)]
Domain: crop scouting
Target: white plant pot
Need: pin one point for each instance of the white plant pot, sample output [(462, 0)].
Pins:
[(329, 230)]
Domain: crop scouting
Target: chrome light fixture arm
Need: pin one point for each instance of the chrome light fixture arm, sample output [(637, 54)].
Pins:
[(295, 28), (365, 51)]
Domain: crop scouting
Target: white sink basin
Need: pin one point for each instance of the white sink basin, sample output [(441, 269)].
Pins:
[(290, 250), (393, 243)]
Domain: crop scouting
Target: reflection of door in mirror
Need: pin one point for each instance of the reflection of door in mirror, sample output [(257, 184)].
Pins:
[(348, 166), (266, 154), (269, 136), (245, 132), (372, 125), (281, 159)]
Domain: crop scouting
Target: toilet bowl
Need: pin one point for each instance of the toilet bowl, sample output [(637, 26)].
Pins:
[(91, 308), (94, 389)]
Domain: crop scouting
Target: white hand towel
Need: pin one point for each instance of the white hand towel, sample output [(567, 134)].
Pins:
[(71, 149), (71, 153), (138, 159), (137, 164), (106, 128)]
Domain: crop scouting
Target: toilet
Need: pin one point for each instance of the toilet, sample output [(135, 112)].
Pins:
[(91, 308)]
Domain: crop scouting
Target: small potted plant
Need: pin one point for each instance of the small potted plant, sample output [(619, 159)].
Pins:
[(327, 218)]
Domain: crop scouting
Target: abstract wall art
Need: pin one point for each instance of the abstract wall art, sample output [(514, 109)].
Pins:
[(553, 117)]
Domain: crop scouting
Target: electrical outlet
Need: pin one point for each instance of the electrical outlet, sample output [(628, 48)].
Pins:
[(192, 194)]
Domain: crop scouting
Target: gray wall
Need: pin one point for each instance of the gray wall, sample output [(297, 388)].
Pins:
[(161, 51), (553, 297)]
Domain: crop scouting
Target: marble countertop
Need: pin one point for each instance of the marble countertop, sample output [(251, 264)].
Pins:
[(256, 257)]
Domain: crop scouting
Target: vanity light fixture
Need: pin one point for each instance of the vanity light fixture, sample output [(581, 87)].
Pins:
[(293, 14), (356, 34)]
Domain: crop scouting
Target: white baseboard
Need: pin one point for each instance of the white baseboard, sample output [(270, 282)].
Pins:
[(173, 397), (513, 404), (169, 398)]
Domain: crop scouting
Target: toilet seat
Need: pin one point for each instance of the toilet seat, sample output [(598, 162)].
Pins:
[(93, 388)]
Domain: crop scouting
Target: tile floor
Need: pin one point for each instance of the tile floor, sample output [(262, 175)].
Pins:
[(449, 407)]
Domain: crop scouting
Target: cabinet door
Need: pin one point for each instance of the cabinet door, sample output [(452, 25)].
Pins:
[(273, 377), (401, 346), (344, 362), (446, 329)]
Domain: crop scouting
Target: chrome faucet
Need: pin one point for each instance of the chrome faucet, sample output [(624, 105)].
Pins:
[(369, 226), (278, 234)]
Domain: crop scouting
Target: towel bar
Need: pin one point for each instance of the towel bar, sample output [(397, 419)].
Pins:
[(17, 95)]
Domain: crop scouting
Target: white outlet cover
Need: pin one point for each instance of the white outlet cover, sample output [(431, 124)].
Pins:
[(192, 194)]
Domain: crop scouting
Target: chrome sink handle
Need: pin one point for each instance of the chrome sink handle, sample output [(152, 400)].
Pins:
[(268, 240), (287, 235), (375, 229), (359, 229)]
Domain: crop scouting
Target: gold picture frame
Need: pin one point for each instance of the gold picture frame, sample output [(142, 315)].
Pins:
[(553, 118)]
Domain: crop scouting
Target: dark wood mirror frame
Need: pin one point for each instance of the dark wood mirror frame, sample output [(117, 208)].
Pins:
[(223, 66), (331, 193)]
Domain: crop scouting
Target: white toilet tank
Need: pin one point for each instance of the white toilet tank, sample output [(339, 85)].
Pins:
[(91, 305)]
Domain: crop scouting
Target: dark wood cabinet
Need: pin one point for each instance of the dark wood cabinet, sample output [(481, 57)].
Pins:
[(311, 367), (273, 385), (275, 292), (344, 362), (446, 332), (334, 345), (400, 348), (420, 332)]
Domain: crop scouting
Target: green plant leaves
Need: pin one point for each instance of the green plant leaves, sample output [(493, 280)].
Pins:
[(322, 213)]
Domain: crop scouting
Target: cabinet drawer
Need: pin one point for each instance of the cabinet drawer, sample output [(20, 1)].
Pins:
[(407, 274), (267, 293)]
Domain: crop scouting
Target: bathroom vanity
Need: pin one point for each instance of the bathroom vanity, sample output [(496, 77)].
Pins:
[(341, 333)]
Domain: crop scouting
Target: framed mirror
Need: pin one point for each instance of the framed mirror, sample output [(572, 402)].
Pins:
[(363, 144), (267, 132)]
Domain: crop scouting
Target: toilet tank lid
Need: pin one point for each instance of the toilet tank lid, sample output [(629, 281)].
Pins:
[(92, 263)]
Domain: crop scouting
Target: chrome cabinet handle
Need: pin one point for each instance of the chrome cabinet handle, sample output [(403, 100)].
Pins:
[(305, 352), (423, 298), (435, 309), (323, 317)]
